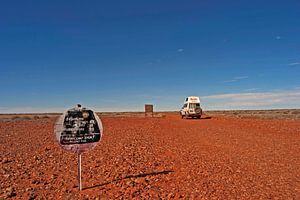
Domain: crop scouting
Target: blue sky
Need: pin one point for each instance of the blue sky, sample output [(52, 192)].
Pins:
[(119, 55)]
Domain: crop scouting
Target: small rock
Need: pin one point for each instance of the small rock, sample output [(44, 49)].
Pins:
[(10, 192), (170, 195), (47, 149), (32, 196), (35, 181), (128, 182), (6, 160), (6, 175)]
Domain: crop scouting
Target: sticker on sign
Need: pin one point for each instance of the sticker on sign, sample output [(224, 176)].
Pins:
[(78, 129)]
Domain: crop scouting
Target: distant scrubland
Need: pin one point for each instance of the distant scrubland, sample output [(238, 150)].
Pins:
[(263, 114)]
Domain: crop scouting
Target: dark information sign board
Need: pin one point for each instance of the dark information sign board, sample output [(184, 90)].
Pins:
[(78, 129)]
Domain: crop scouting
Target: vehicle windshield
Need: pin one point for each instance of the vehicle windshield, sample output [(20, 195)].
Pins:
[(194, 105)]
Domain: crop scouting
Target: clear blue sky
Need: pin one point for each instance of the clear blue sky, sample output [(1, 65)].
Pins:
[(119, 55)]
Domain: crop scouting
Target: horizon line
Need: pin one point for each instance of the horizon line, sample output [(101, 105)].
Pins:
[(55, 113)]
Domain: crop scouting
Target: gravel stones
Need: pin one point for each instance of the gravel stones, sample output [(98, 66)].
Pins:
[(155, 158)]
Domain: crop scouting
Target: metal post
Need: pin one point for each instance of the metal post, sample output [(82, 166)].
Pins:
[(79, 171)]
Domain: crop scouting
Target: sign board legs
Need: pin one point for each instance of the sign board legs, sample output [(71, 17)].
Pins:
[(79, 171)]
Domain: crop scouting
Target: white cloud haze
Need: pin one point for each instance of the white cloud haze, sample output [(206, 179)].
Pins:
[(295, 63), (278, 37), (235, 79), (254, 100)]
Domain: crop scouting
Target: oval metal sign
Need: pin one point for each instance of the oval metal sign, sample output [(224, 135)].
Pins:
[(78, 129)]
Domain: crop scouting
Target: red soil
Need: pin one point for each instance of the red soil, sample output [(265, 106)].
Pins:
[(217, 158)]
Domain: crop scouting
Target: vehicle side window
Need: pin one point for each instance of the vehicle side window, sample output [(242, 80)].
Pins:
[(185, 105), (194, 105)]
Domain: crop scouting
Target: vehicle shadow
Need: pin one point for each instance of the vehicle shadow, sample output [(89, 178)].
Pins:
[(131, 176), (207, 117)]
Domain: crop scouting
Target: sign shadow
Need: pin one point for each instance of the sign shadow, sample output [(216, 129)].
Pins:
[(131, 176)]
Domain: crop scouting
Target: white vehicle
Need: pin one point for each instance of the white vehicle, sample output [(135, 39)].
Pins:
[(191, 108)]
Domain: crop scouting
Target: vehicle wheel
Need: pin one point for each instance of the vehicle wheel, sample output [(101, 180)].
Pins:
[(198, 117), (186, 116), (182, 116)]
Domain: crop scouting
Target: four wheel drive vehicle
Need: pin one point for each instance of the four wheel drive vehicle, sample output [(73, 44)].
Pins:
[(191, 108)]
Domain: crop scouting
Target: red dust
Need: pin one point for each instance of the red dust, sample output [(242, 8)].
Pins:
[(152, 158)]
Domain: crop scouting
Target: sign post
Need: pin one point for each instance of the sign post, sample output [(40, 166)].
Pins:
[(79, 171), (78, 130)]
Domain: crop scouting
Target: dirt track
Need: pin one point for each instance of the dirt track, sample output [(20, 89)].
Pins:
[(217, 158)]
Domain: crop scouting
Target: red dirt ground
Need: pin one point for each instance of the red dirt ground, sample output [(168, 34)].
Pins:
[(217, 158)]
